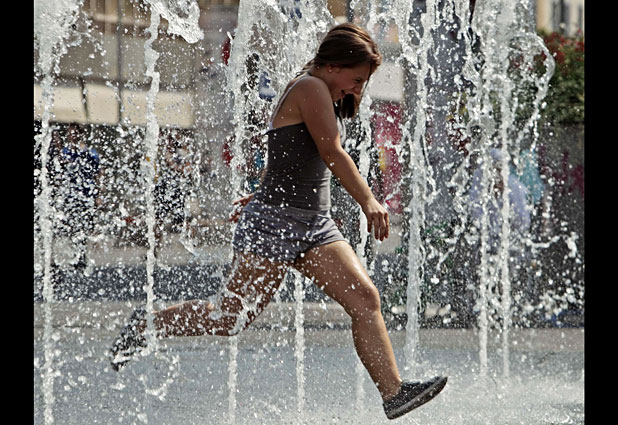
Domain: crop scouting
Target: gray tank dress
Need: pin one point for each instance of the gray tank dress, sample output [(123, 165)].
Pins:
[(290, 211)]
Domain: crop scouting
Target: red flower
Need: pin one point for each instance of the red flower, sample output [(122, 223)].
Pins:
[(579, 46), (559, 56)]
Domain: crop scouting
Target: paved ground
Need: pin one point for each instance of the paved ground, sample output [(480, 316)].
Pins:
[(254, 379), (273, 375)]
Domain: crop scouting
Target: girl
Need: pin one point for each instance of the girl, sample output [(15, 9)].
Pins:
[(286, 223)]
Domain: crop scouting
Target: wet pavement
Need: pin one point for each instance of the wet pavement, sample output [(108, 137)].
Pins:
[(271, 374), (254, 378)]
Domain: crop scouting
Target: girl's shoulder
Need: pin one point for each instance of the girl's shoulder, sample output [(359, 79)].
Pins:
[(307, 84), (309, 93)]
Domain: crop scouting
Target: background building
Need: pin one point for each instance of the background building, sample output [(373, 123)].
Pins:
[(101, 78), (566, 16)]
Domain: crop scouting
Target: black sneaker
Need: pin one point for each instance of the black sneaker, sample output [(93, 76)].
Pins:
[(412, 395), (130, 342)]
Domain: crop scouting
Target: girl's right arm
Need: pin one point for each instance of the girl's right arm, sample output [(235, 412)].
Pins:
[(316, 108)]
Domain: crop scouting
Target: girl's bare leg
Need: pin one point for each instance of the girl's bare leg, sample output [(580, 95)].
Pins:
[(250, 287), (337, 270)]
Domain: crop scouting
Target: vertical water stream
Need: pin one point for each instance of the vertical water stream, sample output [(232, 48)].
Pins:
[(52, 25)]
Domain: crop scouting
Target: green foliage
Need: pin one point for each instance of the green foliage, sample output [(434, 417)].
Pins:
[(565, 97)]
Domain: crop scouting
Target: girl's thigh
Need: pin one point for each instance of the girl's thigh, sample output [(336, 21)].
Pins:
[(336, 270)]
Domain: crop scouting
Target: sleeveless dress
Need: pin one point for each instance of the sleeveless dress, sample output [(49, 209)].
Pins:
[(290, 211)]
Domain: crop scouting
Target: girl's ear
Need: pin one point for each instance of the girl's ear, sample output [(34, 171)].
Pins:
[(333, 68)]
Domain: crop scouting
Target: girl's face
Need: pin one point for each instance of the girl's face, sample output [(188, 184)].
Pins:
[(347, 80)]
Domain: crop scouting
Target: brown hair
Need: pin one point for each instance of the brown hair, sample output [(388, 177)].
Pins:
[(347, 45)]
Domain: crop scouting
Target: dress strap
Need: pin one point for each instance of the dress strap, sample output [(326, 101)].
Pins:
[(280, 102)]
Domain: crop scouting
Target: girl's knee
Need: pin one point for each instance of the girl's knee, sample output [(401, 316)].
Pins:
[(372, 298), (366, 301), (230, 317), (232, 325)]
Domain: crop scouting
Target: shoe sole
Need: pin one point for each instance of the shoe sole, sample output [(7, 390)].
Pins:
[(420, 399), (122, 357), (118, 361)]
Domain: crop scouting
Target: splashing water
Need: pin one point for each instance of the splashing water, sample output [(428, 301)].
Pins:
[(465, 69), (51, 27), (299, 346)]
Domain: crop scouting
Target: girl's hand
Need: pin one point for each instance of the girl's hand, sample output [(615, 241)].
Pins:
[(240, 205), (377, 219)]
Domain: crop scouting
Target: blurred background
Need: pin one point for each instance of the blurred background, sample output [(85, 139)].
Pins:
[(96, 155)]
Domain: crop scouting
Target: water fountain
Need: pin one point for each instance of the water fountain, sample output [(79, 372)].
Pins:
[(465, 68)]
